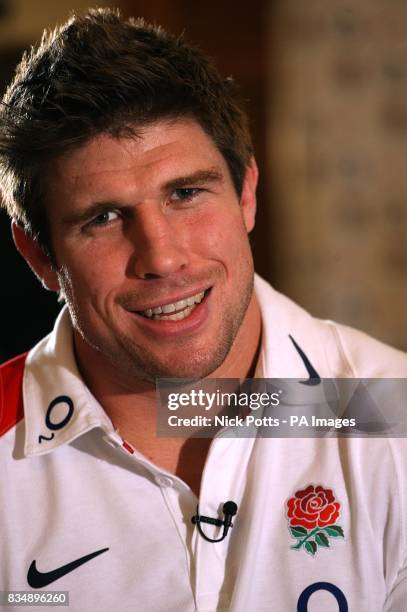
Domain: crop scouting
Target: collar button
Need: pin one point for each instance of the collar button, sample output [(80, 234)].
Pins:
[(163, 481)]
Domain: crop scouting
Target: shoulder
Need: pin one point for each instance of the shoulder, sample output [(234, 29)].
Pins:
[(11, 392), (366, 357)]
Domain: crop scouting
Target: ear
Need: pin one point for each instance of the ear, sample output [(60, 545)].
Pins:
[(36, 258), (248, 197)]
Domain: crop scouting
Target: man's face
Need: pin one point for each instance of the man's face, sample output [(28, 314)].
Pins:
[(152, 249)]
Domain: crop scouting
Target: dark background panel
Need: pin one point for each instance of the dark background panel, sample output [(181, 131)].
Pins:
[(27, 310)]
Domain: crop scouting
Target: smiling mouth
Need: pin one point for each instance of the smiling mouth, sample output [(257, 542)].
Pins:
[(176, 311)]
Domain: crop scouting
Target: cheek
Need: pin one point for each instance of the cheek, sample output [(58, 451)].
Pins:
[(219, 234), (90, 280)]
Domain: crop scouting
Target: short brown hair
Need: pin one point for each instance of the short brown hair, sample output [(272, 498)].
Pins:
[(98, 73)]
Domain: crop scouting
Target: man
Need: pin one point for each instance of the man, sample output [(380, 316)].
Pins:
[(127, 168)]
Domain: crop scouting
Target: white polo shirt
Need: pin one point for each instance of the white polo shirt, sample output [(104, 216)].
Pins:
[(70, 487)]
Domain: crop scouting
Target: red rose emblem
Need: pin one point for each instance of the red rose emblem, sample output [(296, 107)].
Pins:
[(313, 507)]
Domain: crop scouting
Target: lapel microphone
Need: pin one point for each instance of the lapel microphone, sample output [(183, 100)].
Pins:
[(229, 510)]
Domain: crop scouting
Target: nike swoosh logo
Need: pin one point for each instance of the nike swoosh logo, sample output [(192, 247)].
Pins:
[(37, 579), (314, 377)]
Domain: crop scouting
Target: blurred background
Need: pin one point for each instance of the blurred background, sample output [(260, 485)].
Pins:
[(326, 84)]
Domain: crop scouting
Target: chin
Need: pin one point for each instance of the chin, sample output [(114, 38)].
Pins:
[(188, 371), (197, 368)]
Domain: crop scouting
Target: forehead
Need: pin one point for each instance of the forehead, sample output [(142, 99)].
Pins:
[(157, 153)]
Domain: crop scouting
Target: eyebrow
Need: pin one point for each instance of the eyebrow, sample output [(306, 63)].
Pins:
[(197, 178), (201, 177)]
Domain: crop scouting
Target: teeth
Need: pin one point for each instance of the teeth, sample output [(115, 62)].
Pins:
[(177, 316), (169, 308), (164, 313), (181, 305)]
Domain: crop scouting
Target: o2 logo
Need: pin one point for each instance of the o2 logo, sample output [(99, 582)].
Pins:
[(302, 605), (53, 423)]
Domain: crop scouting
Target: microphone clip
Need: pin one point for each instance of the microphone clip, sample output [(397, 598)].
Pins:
[(229, 510)]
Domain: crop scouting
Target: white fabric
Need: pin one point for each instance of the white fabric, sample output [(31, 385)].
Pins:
[(82, 491)]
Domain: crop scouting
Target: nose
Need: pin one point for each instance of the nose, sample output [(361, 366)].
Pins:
[(158, 246)]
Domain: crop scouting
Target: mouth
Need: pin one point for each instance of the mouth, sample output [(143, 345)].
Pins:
[(174, 311)]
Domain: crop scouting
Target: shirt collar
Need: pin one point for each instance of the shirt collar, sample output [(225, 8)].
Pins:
[(291, 344), (282, 322), (58, 406)]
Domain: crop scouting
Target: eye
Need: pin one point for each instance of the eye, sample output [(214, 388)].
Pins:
[(185, 194), (105, 217)]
